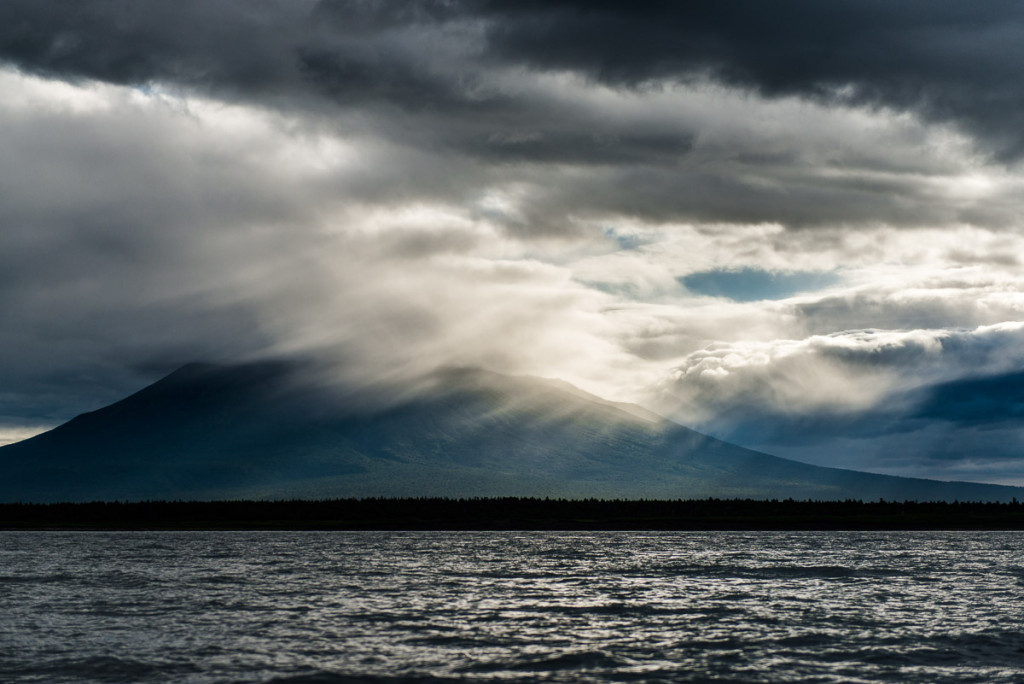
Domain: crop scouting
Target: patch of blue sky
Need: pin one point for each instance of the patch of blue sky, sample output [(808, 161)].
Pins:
[(625, 240), (754, 284)]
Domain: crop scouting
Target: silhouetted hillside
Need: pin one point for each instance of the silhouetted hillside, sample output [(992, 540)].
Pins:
[(273, 430)]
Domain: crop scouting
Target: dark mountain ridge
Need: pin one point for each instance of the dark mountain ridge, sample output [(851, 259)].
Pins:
[(270, 430)]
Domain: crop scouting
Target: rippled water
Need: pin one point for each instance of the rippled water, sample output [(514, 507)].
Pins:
[(525, 606)]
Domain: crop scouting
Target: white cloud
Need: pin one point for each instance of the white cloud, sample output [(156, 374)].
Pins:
[(847, 371), (16, 434), (145, 227)]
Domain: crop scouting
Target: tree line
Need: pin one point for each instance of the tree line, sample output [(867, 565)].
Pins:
[(515, 513)]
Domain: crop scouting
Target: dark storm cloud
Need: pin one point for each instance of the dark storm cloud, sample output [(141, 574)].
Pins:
[(954, 62), (273, 51), (585, 148), (962, 429), (482, 94), (957, 62), (401, 65), (968, 415), (194, 42), (976, 401)]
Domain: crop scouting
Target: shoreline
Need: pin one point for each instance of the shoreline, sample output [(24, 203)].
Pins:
[(512, 514)]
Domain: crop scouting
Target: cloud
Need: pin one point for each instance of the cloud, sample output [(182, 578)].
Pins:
[(590, 192), (868, 389), (11, 435), (948, 62), (662, 127), (144, 231), (976, 401)]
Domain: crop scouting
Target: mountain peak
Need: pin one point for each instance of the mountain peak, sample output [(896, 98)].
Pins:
[(280, 429)]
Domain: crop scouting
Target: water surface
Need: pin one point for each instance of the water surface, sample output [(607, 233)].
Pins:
[(326, 607)]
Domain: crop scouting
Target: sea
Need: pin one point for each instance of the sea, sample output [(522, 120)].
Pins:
[(333, 607)]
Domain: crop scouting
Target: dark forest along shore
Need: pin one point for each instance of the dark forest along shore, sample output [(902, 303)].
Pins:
[(516, 513), (212, 607)]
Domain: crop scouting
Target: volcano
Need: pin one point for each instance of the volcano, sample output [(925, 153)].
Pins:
[(276, 430)]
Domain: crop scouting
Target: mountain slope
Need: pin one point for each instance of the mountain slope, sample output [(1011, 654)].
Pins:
[(267, 430)]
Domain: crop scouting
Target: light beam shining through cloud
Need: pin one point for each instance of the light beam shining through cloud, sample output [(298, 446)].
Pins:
[(804, 237)]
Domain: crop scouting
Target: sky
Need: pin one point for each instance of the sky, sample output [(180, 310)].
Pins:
[(793, 225)]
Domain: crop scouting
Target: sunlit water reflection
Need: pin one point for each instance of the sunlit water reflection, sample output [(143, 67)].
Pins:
[(511, 606)]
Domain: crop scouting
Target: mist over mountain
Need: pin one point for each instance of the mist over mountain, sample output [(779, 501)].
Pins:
[(269, 430)]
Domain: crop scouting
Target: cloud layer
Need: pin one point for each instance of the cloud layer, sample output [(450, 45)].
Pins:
[(796, 226)]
